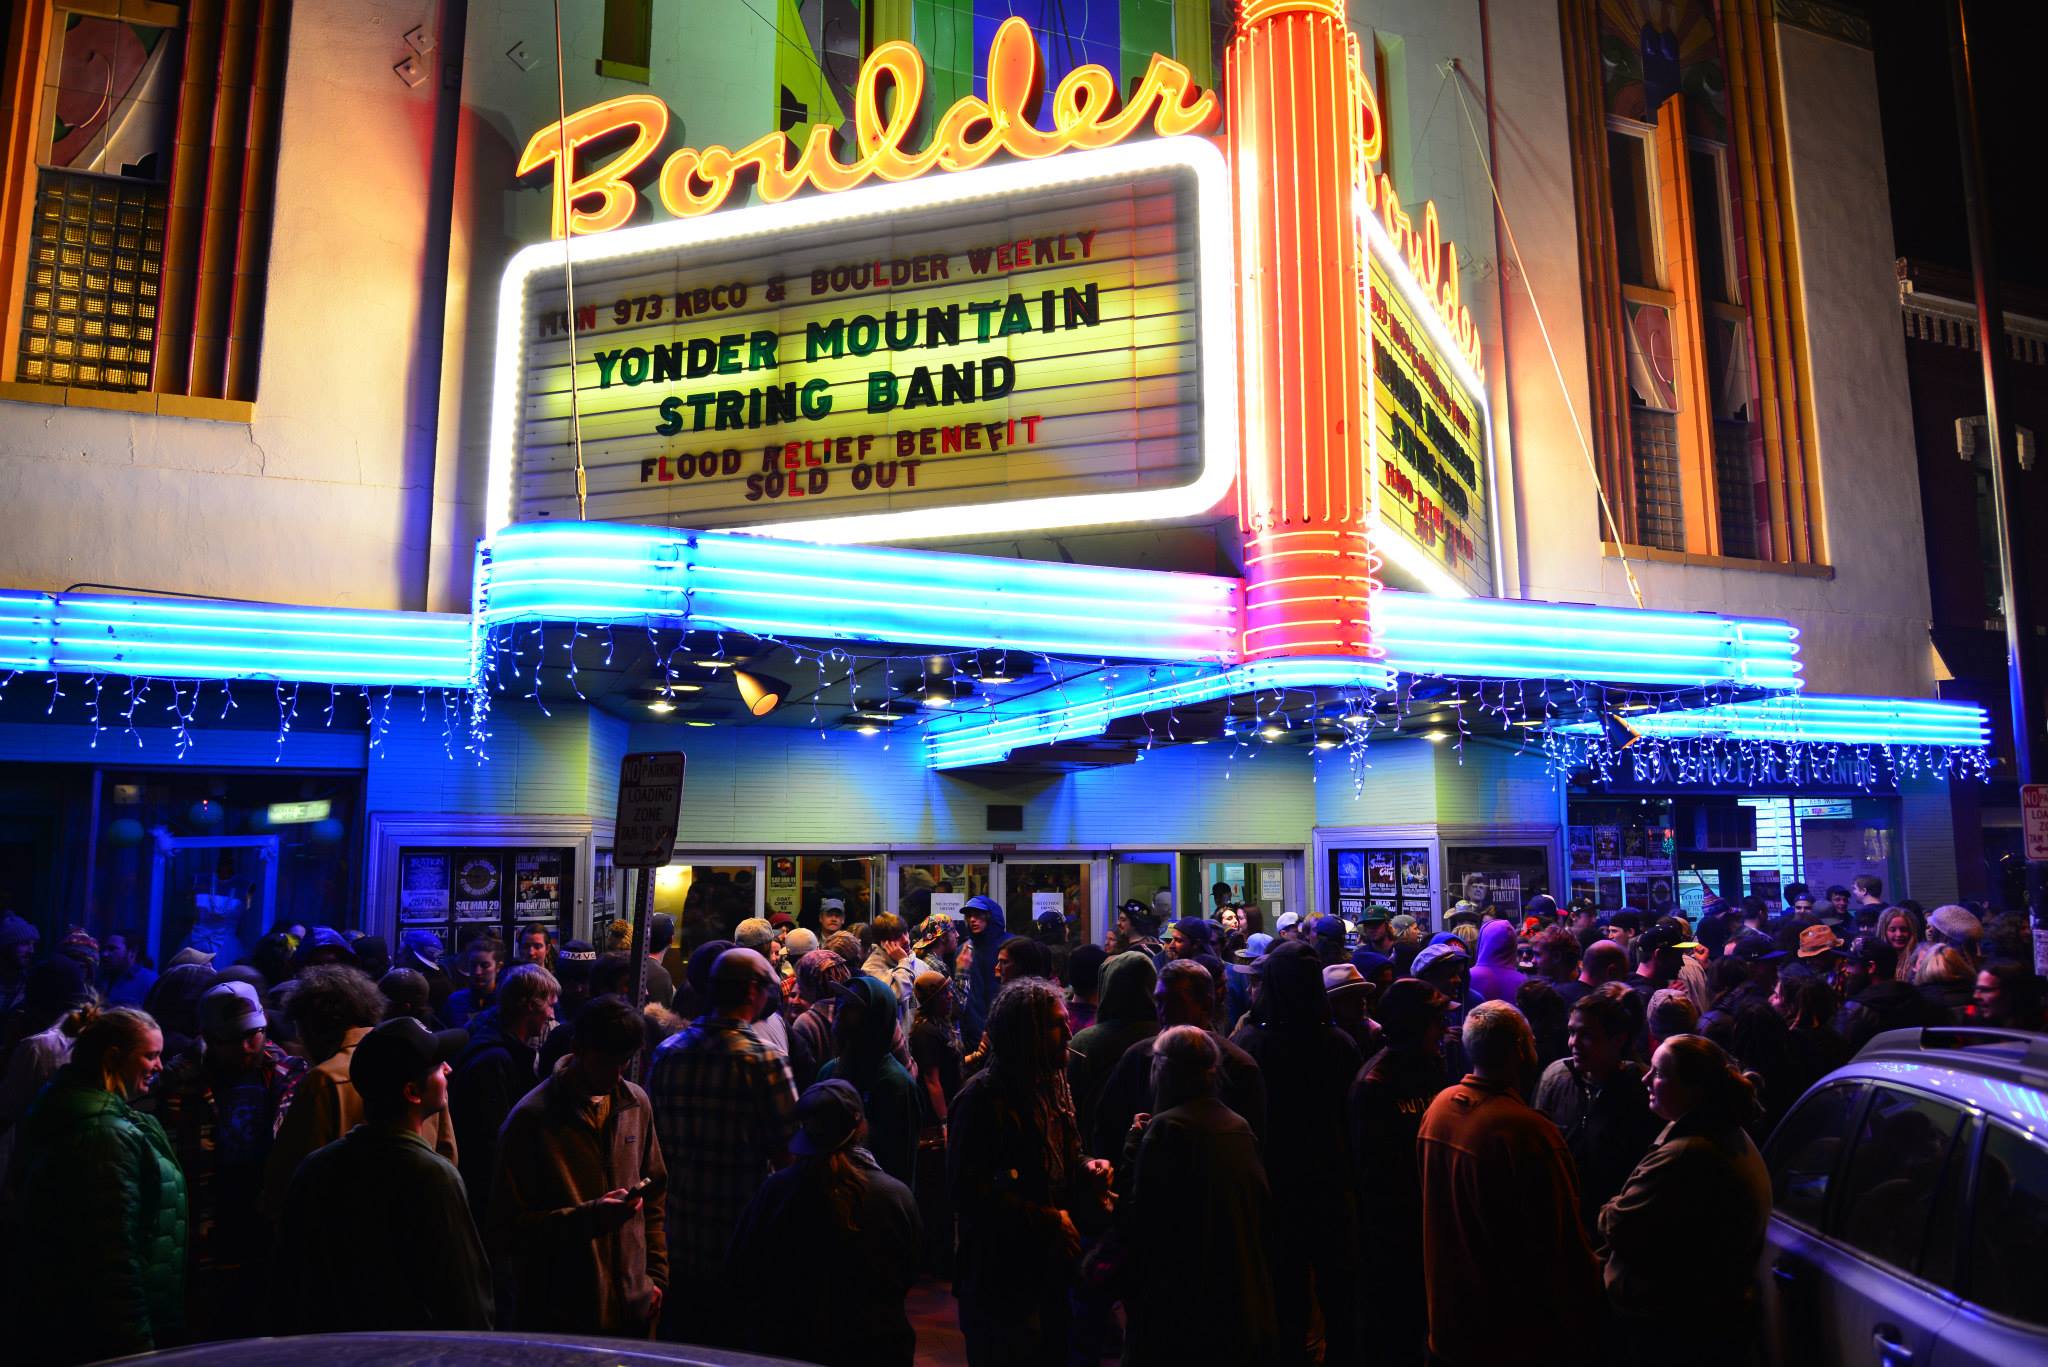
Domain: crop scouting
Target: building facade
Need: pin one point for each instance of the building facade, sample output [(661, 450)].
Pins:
[(1573, 326)]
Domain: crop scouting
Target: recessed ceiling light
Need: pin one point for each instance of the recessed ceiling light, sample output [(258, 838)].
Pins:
[(1326, 744), (1436, 737), (1199, 742), (866, 730), (661, 706), (674, 687), (692, 721), (1354, 718), (1271, 732)]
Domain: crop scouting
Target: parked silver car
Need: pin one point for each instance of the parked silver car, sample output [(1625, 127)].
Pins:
[(1910, 1194)]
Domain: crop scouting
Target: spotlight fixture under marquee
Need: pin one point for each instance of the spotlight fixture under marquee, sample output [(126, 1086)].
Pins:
[(762, 693)]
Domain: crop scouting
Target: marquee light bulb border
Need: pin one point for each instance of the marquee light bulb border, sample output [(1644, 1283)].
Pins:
[(1214, 269)]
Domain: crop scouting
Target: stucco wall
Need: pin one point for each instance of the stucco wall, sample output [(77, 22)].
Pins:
[(309, 503)]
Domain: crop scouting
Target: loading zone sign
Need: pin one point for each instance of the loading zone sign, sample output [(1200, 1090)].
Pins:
[(650, 800)]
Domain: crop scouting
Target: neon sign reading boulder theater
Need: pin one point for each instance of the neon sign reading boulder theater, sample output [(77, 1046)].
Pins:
[(1086, 113)]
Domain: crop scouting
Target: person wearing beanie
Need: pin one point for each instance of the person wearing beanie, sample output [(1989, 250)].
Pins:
[(1084, 984), (218, 1102), (1190, 937), (1958, 927), (376, 1232), (1384, 1111), (845, 1213)]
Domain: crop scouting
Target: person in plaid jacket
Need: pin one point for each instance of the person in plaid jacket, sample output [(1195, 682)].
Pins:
[(724, 1110)]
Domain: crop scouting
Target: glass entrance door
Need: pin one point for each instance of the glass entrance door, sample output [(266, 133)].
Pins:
[(1263, 884), (214, 893), (921, 883), (1032, 885), (707, 894), (1142, 877)]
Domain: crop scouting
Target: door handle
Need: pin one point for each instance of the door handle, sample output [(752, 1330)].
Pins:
[(1890, 1352)]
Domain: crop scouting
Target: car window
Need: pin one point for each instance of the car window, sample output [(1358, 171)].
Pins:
[(2009, 1237), (1940, 1254), (1807, 1148), (1895, 1168)]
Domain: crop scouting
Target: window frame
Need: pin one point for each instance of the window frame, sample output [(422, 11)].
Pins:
[(253, 97), (1867, 1088), (1650, 228)]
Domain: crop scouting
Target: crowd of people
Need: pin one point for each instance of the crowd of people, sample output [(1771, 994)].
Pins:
[(1194, 1141)]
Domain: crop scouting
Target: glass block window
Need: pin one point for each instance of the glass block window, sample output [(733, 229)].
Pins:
[(1735, 488), (1660, 511), (94, 270)]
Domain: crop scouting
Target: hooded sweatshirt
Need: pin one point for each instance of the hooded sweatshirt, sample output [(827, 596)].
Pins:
[(981, 972), (1494, 975), (867, 1060), (1124, 1017)]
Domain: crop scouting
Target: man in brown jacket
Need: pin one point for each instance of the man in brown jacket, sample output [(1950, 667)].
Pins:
[(1500, 1209), (576, 1208), (334, 1006)]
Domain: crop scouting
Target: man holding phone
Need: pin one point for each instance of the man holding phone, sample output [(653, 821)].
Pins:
[(576, 1212)]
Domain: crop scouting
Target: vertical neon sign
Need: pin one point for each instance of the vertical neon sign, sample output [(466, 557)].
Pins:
[(1300, 135)]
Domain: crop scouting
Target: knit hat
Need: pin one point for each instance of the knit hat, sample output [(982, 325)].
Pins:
[(1956, 925), (1406, 1007), (15, 931), (1370, 962), (828, 1116)]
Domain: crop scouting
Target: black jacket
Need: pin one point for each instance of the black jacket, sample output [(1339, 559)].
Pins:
[(494, 1072), (377, 1235), (862, 1226), (1197, 1222), (1607, 1128), (1129, 1091)]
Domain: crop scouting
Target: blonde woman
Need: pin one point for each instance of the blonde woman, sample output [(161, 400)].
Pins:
[(102, 1202), (1903, 930)]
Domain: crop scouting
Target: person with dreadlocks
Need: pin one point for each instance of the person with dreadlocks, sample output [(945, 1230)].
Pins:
[(1021, 1189)]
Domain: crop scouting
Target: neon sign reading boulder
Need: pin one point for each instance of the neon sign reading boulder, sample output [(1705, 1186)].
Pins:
[(1086, 113)]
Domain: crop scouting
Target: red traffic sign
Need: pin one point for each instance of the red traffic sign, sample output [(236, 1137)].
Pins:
[(650, 801)]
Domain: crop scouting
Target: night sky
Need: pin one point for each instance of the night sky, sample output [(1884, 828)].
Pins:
[(2010, 44)]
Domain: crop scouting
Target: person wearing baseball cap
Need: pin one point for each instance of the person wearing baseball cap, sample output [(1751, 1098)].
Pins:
[(845, 1214), (376, 1231), (1376, 929), (218, 1103)]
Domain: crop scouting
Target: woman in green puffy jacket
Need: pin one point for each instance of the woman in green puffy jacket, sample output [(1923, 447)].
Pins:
[(102, 1201)]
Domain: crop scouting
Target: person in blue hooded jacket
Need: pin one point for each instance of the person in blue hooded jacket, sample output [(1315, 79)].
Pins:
[(985, 935)]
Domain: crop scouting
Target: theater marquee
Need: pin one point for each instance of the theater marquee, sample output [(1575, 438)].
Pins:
[(1030, 345)]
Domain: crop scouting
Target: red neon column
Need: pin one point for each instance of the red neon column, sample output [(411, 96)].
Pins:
[(1295, 142)]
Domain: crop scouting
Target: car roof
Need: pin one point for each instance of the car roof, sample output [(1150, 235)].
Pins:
[(2003, 1072)]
